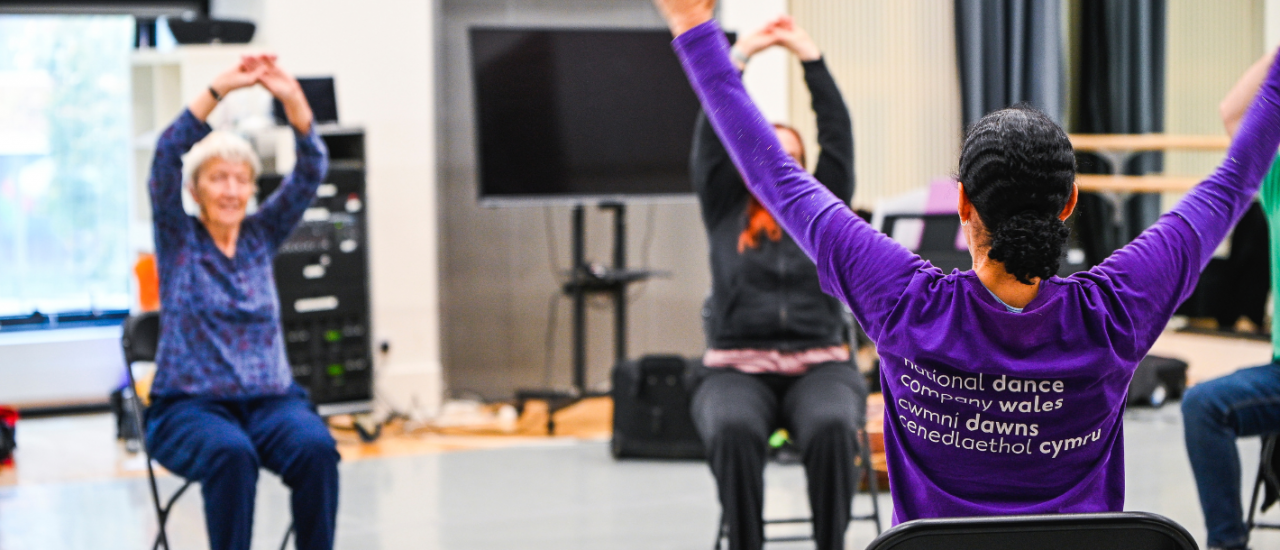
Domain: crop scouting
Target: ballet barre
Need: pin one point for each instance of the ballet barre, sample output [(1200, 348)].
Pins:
[(1117, 149), (1137, 143), (1150, 183)]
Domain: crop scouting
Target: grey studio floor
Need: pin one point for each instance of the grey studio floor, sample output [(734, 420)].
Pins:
[(560, 496)]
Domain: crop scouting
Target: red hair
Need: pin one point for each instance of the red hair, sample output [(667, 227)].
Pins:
[(760, 220)]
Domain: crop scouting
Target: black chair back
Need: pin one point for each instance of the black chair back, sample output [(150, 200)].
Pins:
[(1106, 531), (141, 337), (937, 239)]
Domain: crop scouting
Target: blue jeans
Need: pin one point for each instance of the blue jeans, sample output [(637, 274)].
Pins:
[(1214, 414), (222, 443)]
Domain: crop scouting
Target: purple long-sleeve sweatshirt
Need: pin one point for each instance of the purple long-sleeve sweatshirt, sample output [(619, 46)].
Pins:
[(990, 412)]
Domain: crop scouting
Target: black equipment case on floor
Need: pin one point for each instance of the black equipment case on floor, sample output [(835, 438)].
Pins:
[(651, 417), (1157, 380)]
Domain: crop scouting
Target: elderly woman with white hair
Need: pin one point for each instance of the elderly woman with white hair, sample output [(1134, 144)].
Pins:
[(224, 402)]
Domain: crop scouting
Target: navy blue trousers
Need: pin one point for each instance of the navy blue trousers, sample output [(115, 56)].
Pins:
[(222, 443)]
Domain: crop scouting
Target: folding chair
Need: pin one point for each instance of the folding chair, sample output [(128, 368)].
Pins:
[(139, 341), (1106, 531), (868, 473), (1267, 479)]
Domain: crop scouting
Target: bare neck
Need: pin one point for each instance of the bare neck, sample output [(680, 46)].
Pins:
[(224, 236), (1008, 288)]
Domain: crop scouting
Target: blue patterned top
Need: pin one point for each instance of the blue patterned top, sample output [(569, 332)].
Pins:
[(220, 331)]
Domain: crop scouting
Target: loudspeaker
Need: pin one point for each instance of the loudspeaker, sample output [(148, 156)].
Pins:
[(211, 31)]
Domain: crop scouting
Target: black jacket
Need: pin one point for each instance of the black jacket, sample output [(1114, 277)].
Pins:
[(768, 297)]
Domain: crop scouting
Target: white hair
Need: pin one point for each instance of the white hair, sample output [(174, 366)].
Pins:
[(218, 145)]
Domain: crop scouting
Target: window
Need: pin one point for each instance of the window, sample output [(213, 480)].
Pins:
[(65, 165)]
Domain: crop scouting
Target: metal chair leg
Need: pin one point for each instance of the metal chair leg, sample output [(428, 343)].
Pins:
[(163, 518), (872, 480), (285, 543), (161, 513), (722, 531), (1253, 502)]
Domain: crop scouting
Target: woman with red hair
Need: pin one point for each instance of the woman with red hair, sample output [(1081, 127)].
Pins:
[(777, 345)]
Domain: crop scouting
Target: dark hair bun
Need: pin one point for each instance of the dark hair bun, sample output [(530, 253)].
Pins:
[(1029, 244), (1018, 170)]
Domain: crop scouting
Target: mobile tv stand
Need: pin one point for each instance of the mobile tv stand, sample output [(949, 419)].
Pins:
[(584, 279)]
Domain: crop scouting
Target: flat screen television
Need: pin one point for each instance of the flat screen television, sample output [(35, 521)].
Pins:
[(580, 114), (320, 95)]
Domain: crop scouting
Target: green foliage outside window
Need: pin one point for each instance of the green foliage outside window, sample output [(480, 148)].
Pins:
[(65, 163)]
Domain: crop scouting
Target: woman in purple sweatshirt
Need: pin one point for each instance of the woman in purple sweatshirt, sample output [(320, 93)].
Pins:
[(1004, 386)]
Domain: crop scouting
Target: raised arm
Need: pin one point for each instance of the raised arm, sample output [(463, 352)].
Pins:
[(1153, 274), (282, 210), (835, 129), (863, 267), (1233, 106), (715, 179), (165, 184)]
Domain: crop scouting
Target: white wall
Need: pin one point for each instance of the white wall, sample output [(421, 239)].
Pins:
[(766, 76), (381, 55), (895, 63), (1271, 32)]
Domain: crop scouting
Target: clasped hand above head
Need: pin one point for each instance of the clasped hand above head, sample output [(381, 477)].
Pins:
[(682, 15), (257, 69), (780, 31)]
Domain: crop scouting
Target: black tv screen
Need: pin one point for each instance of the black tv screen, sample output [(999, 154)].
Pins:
[(565, 114)]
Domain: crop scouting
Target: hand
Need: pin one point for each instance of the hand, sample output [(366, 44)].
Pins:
[(285, 87), (794, 38), (244, 74), (682, 15), (279, 82), (760, 40), (1233, 106)]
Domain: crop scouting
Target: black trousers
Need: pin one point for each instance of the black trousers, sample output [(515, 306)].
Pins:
[(735, 413)]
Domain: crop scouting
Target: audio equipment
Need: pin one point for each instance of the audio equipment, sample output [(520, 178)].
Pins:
[(322, 279)]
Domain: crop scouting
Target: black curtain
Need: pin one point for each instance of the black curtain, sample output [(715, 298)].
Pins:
[(1010, 51), (1120, 90)]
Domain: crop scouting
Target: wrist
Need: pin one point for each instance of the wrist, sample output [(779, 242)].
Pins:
[(807, 52), (739, 57), (679, 25)]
